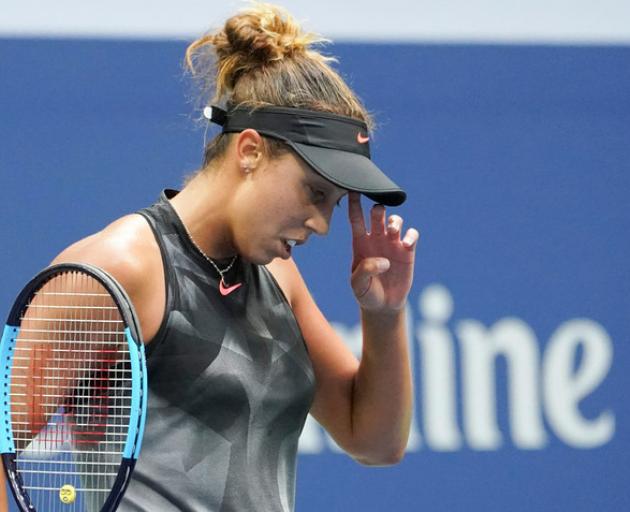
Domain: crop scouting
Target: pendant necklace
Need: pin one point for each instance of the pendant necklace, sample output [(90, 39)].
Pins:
[(224, 289)]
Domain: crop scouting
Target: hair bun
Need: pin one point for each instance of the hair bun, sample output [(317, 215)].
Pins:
[(254, 38), (261, 56), (263, 34)]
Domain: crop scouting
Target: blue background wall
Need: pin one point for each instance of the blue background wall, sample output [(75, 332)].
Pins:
[(516, 160)]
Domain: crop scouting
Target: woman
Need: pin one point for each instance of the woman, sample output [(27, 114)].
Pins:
[(238, 352)]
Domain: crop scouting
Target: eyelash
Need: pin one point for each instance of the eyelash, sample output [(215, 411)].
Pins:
[(318, 195)]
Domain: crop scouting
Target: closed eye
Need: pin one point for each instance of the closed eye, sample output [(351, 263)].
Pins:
[(317, 196)]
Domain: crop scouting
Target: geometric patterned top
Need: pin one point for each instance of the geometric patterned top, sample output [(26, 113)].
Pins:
[(230, 386)]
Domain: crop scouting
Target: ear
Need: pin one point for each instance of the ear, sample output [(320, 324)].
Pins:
[(249, 149)]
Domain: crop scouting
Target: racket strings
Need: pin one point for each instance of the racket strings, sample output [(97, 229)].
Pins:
[(70, 393)]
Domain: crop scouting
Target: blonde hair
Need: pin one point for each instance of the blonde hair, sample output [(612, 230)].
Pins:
[(261, 57)]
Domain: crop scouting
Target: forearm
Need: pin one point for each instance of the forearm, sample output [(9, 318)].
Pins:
[(4, 503), (382, 397)]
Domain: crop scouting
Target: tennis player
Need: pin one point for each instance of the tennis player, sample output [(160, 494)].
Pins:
[(238, 351)]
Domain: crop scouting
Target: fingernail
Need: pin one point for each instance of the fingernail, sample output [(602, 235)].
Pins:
[(382, 265)]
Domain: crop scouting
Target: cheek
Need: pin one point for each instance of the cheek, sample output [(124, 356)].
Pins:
[(258, 224), (268, 209), (262, 214), (276, 210)]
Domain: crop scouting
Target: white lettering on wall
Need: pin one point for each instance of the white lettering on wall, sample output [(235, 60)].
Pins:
[(437, 370), (550, 387), (514, 340), (564, 388)]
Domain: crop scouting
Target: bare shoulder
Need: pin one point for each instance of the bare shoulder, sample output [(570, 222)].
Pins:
[(126, 249), (288, 277)]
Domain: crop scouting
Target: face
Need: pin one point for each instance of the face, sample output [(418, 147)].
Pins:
[(282, 200)]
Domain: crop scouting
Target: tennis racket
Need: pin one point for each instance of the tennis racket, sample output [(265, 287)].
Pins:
[(73, 376)]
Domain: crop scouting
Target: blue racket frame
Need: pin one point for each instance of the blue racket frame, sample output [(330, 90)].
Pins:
[(139, 391)]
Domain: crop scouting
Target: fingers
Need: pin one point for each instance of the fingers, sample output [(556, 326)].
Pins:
[(394, 229), (361, 279), (380, 225), (355, 213), (394, 226), (411, 237), (377, 218)]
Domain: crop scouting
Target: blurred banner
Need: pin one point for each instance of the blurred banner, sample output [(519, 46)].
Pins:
[(561, 21), (516, 160)]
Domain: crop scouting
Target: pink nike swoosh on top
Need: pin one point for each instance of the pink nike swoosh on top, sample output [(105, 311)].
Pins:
[(227, 290), (362, 139)]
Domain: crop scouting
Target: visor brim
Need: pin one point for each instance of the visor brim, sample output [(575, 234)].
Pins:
[(351, 171)]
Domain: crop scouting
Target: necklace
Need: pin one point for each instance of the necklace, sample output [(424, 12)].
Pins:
[(224, 289)]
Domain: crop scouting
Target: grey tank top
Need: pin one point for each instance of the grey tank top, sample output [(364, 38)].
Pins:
[(230, 386)]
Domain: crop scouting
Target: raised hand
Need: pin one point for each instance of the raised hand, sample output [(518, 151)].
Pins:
[(382, 263)]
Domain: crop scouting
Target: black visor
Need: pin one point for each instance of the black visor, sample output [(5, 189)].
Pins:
[(336, 147)]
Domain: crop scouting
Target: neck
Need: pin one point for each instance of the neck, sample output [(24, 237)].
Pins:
[(201, 208)]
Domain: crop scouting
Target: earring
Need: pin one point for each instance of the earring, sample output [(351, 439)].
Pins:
[(245, 168)]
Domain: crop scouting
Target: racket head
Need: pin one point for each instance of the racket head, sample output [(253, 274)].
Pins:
[(74, 384)]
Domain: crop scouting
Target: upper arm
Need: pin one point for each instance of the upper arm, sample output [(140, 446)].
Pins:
[(334, 364), (109, 250), (127, 250)]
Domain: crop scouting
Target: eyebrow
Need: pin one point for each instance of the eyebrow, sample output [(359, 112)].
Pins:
[(330, 188)]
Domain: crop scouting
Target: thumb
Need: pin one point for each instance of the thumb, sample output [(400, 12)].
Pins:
[(363, 273)]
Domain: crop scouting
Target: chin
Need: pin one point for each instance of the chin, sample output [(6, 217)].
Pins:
[(261, 261), (261, 258), (259, 255)]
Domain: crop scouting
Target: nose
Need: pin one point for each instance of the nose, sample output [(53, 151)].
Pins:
[(318, 222)]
